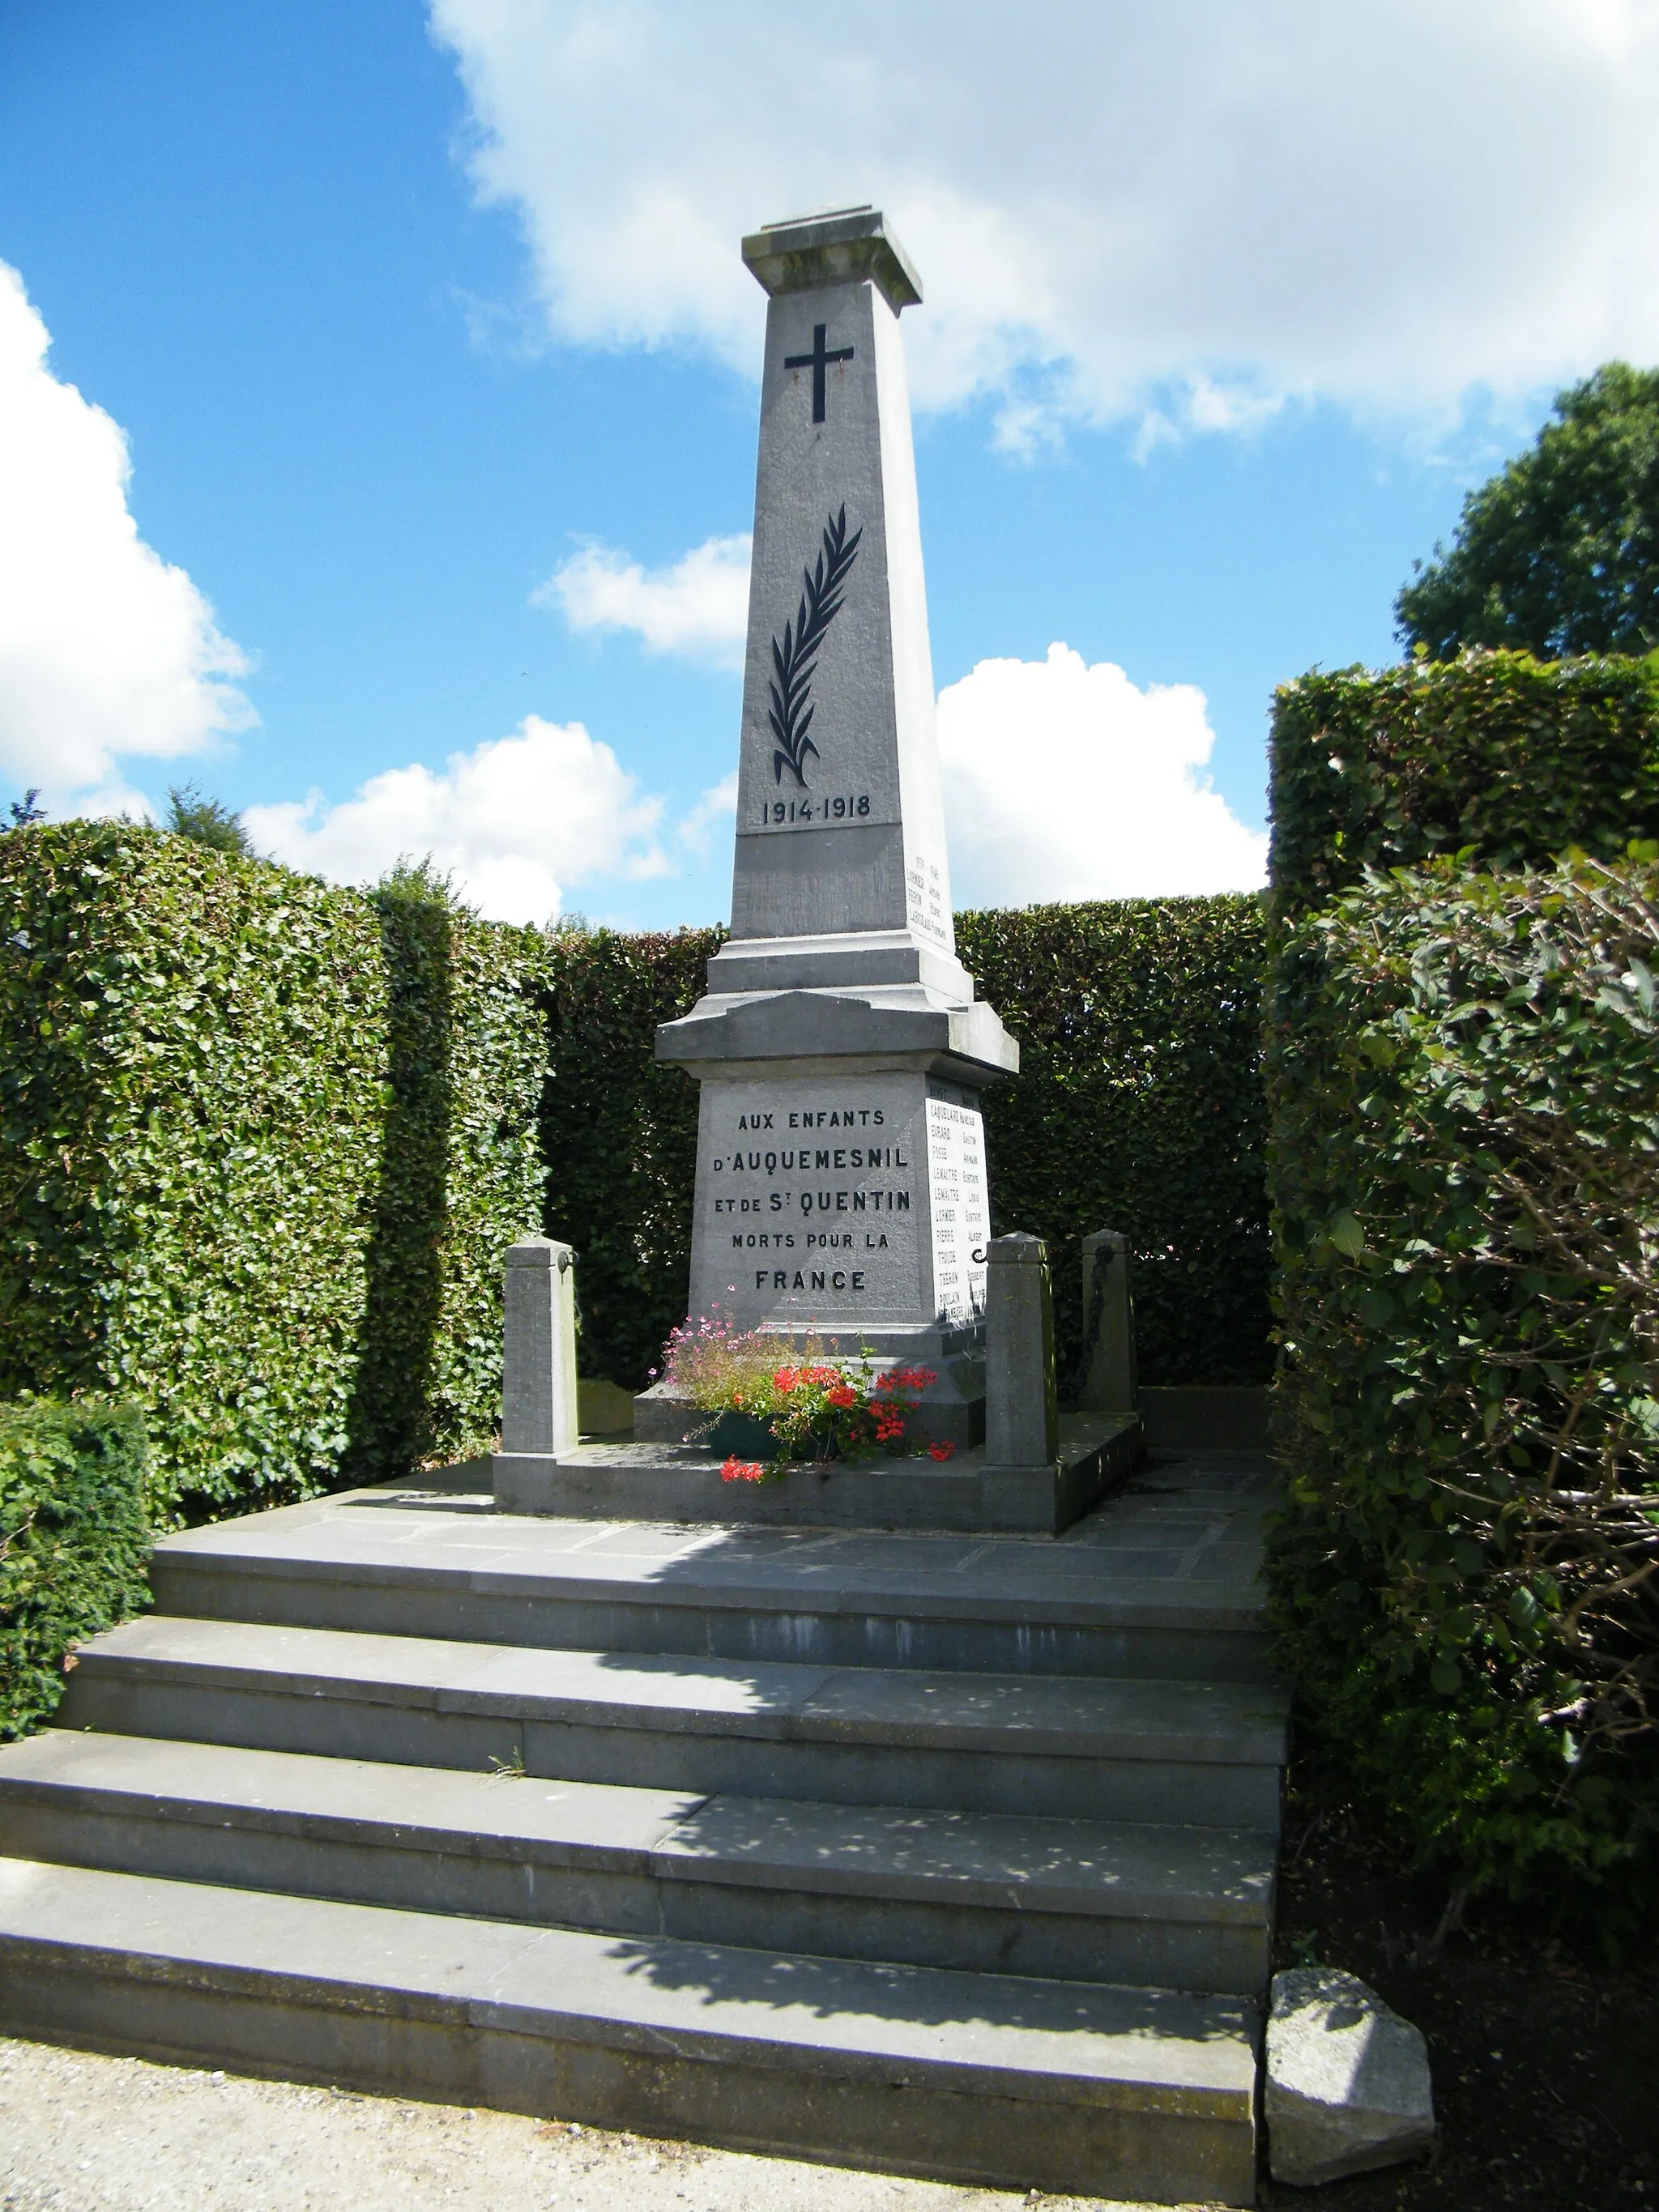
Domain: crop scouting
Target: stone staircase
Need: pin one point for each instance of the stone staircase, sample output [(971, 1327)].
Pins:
[(949, 1854)]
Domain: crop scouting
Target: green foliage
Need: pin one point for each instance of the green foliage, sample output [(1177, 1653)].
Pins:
[(1559, 553), (460, 1177), (1465, 1170), (262, 1146), (207, 822), (1139, 1107), (73, 1541), (1515, 758), (619, 1135)]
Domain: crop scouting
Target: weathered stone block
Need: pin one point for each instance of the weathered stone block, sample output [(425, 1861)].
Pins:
[(1348, 2080), (1108, 1322), (1022, 1413), (539, 1378)]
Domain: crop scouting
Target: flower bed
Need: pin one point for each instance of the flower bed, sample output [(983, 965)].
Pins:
[(810, 1408)]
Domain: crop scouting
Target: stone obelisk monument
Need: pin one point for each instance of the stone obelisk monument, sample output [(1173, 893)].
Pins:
[(841, 1167)]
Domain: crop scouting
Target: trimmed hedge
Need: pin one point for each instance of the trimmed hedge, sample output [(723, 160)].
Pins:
[(1464, 1071), (619, 1135), (460, 1176), (1509, 758), (262, 1146), (1139, 1107), (74, 1542)]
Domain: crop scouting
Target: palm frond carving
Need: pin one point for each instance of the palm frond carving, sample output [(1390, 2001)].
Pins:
[(794, 656)]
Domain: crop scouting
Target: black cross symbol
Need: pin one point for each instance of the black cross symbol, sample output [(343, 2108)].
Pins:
[(817, 361)]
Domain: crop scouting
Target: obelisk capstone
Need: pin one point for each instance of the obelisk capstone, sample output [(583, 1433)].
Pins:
[(840, 1184)]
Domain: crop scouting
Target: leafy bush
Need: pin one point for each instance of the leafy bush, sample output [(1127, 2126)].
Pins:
[(1512, 758), (263, 1145), (73, 1541), (1140, 1106), (1465, 1166)]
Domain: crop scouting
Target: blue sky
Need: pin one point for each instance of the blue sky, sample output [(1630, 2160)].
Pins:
[(397, 315)]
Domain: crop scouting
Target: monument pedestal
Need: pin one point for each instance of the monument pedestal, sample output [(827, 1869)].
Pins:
[(676, 1482), (841, 1192)]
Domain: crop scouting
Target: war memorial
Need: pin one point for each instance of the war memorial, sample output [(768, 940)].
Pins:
[(933, 1830)]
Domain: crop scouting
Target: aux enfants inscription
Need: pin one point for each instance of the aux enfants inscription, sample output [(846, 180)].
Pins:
[(840, 1048)]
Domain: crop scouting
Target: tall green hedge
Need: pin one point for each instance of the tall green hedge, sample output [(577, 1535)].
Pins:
[(74, 1542), (1465, 1079), (262, 1145), (1509, 758), (1139, 1107), (619, 1134), (460, 1175), (1452, 1066)]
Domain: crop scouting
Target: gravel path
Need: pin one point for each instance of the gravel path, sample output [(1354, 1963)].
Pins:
[(83, 2133)]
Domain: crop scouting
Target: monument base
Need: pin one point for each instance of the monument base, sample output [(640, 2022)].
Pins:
[(678, 1482)]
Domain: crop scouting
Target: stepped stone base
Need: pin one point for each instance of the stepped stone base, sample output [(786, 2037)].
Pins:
[(607, 1480), (942, 1854)]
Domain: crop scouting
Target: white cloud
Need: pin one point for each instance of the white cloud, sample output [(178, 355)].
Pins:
[(105, 649), (698, 606), (1067, 781), (1199, 208), (516, 820), (716, 811)]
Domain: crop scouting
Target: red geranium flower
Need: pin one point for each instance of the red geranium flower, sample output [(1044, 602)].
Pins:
[(842, 1394), (941, 1451), (743, 1470)]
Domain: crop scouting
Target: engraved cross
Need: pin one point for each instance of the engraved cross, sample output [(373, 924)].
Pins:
[(817, 361)]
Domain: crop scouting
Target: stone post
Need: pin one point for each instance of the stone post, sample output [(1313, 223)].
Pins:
[(1022, 1414), (1109, 1326), (538, 1380)]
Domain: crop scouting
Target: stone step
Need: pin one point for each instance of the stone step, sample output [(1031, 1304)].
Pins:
[(1162, 1585), (1071, 1747), (993, 2080), (1174, 1908)]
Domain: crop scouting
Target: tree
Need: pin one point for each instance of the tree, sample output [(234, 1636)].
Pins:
[(24, 810), (207, 822), (1559, 553)]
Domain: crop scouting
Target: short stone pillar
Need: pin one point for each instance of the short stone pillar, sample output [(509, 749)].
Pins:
[(1022, 1413), (1110, 1384), (538, 1377)]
